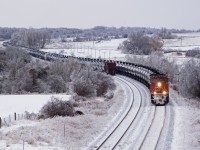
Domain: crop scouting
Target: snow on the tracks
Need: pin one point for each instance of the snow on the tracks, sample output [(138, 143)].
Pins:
[(152, 137)]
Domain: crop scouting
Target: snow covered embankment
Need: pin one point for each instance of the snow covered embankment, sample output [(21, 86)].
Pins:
[(187, 123)]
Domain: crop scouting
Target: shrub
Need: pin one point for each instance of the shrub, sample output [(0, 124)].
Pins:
[(105, 83), (88, 83), (193, 53), (56, 107), (57, 84), (83, 87)]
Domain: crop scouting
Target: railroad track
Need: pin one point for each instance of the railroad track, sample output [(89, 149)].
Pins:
[(153, 134), (138, 127), (150, 134), (114, 136)]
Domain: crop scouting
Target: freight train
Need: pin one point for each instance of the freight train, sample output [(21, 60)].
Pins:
[(151, 77)]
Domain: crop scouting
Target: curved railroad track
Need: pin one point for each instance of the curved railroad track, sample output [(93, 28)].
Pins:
[(138, 127), (114, 136), (150, 135)]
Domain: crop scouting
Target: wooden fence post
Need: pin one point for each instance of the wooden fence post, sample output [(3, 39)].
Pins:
[(23, 144), (64, 130), (0, 122)]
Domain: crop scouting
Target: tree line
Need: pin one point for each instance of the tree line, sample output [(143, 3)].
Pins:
[(21, 74)]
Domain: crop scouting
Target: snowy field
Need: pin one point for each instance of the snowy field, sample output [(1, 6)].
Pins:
[(103, 49), (9, 104), (183, 41), (108, 49)]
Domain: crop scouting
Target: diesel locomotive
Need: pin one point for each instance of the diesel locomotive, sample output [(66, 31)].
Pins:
[(159, 89)]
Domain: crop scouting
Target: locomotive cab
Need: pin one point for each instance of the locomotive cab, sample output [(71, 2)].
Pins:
[(159, 89)]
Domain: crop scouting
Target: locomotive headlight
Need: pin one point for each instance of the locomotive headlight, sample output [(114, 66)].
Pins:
[(154, 93), (159, 84), (164, 92)]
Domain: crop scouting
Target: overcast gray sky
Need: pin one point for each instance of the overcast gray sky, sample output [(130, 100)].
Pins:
[(89, 13)]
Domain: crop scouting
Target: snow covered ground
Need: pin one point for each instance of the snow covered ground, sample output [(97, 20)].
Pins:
[(186, 134), (103, 49), (184, 41), (79, 130), (108, 49)]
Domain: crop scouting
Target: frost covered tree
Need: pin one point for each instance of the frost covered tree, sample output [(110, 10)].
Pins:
[(189, 79), (57, 84), (37, 38), (165, 34), (87, 82), (81, 83), (23, 75), (32, 38), (141, 44)]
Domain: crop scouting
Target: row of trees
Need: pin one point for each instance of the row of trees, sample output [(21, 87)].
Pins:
[(5, 33), (165, 34), (20, 74), (98, 31), (31, 38)]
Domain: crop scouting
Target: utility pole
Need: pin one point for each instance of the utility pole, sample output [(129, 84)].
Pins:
[(95, 52), (104, 55), (93, 41), (99, 54), (181, 40)]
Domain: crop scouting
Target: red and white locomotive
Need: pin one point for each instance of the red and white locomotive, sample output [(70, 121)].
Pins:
[(159, 89)]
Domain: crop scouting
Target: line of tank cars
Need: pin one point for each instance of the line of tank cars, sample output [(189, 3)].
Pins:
[(152, 78)]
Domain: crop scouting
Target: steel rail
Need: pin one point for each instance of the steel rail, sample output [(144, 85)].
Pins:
[(104, 141)]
